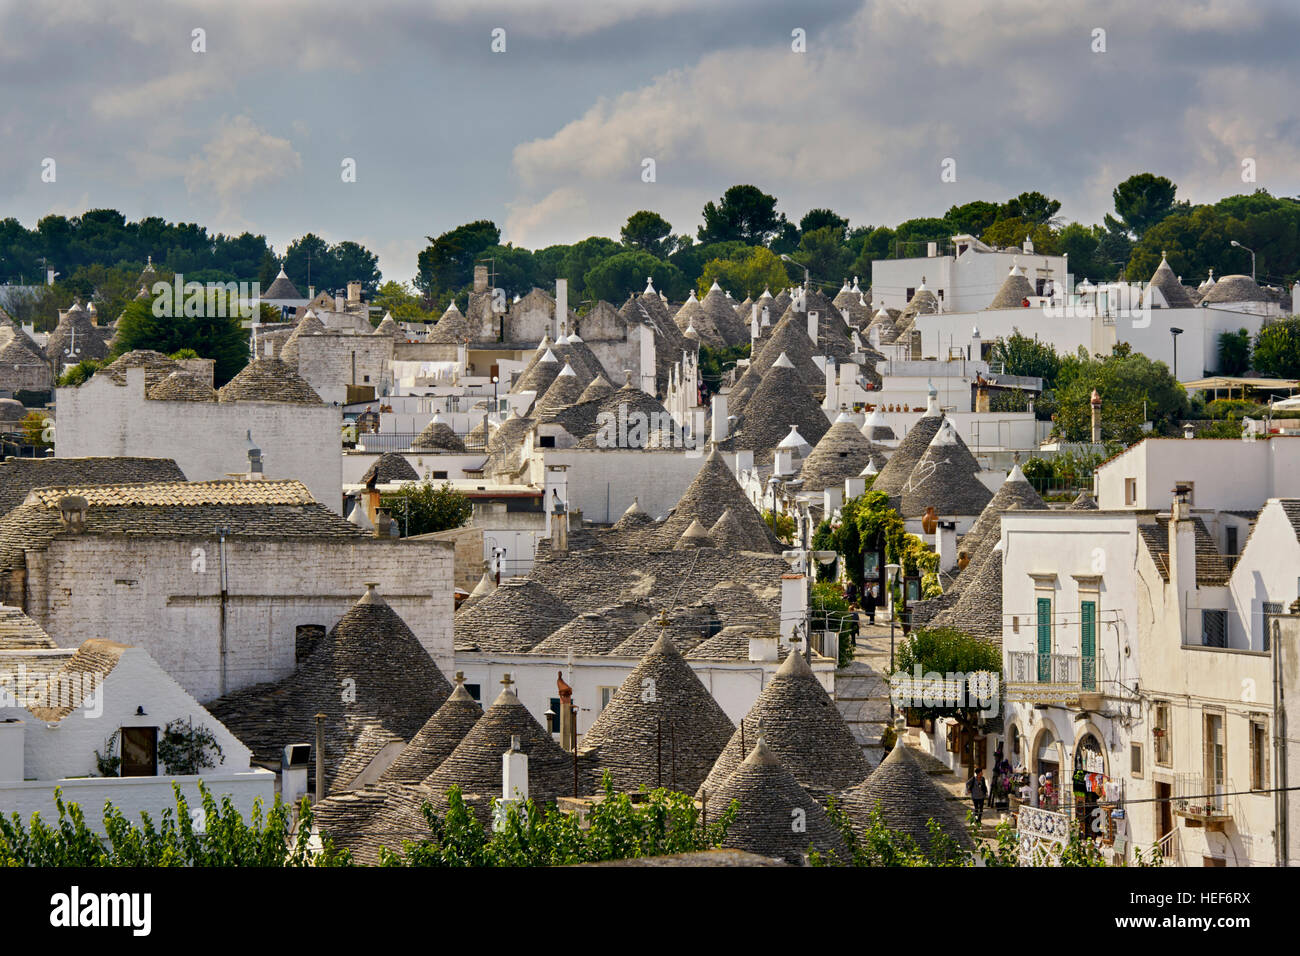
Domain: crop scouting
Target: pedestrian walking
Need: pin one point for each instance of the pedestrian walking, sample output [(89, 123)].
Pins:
[(854, 616), (869, 603), (979, 792)]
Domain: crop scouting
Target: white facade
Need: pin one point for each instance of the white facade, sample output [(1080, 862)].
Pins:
[(965, 282), (206, 439), (135, 693), (1226, 474)]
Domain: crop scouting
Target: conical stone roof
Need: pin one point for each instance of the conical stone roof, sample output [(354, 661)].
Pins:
[(781, 400), (513, 618), (910, 450), (1172, 294), (945, 478), (389, 467), (393, 687), (714, 491), (987, 529), (1084, 502), (307, 325), (803, 728), (661, 729), (722, 313), (438, 436), (1014, 290), (268, 380), (777, 817), (842, 453), (453, 328), (564, 391), (281, 288), (598, 389), (475, 764), (596, 632), (907, 800), (440, 735)]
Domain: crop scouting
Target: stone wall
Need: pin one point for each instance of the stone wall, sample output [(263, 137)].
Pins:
[(327, 363), (163, 594), (207, 439)]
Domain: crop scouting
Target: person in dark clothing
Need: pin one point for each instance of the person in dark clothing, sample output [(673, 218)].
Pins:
[(869, 603), (979, 792)]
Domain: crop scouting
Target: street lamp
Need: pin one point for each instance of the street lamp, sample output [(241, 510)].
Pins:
[(1175, 332), (807, 282), (1234, 242)]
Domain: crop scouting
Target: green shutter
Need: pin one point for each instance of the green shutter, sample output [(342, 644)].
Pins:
[(1088, 644), (1044, 639)]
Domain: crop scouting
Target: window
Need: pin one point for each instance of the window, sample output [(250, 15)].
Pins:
[(1162, 734), (1088, 644), (1130, 491), (473, 691), (1215, 752), (139, 751), (1214, 628), (1230, 544), (1135, 759), (546, 441), (1269, 608), (553, 716), (911, 291), (440, 474), (1258, 754), (606, 695), (1044, 640)]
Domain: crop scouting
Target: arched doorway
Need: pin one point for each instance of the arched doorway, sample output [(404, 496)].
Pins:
[(1045, 770), (1088, 781)]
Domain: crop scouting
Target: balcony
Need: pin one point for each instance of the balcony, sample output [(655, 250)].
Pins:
[(1034, 678), (1201, 801)]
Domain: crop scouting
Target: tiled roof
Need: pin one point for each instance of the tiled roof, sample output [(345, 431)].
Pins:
[(596, 632), (1211, 568), (389, 467), (94, 657), (909, 451), (945, 478), (439, 736), (268, 380), (712, 492), (18, 476), (842, 453), (182, 386), (287, 491), (987, 529), (517, 615), (20, 632)]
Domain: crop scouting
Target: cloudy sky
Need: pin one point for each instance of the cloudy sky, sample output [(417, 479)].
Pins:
[(549, 137)]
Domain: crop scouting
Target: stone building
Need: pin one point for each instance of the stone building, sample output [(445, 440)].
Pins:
[(222, 582)]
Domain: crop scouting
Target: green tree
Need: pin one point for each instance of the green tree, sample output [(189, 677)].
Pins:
[(400, 299), (1021, 355), (1033, 208), (424, 508), (447, 263), (649, 232), (745, 214), (1234, 352), (1128, 384), (1143, 200), (1277, 349), (581, 257), (815, 219), (215, 333), (1012, 231), (972, 218), (77, 374), (948, 651), (613, 278), (747, 276), (824, 254), (309, 264)]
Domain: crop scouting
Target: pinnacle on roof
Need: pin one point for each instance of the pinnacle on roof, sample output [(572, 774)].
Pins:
[(804, 730), (907, 799), (945, 478), (695, 536), (770, 798), (1172, 294), (662, 727), (440, 735), (793, 440), (783, 362)]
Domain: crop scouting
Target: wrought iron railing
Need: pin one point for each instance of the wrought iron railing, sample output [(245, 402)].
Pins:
[(1195, 794), (1028, 667)]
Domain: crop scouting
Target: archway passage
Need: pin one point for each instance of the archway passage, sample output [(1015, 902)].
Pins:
[(1088, 782)]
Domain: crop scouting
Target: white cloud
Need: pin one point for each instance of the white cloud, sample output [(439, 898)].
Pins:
[(240, 158)]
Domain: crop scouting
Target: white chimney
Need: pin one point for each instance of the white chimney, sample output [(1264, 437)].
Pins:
[(514, 772), (794, 607), (813, 327), (783, 462), (719, 423), (744, 460), (832, 498), (295, 760), (945, 544), (561, 304), (855, 486), (340, 304), (1182, 557), (763, 647), (754, 327), (11, 750), (354, 293), (932, 249)]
